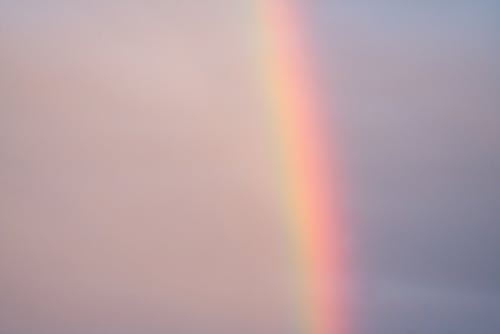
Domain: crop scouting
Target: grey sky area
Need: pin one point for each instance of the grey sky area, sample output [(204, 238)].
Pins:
[(415, 88)]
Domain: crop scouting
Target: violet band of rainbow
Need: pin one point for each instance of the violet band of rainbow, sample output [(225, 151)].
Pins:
[(306, 167)]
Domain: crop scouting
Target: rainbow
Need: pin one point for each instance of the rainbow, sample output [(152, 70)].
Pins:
[(305, 167)]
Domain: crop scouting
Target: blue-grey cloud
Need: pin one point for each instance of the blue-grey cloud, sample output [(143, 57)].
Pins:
[(415, 87)]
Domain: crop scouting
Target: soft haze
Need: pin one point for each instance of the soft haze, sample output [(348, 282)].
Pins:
[(137, 178)]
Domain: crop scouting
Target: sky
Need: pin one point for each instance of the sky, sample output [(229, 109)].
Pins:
[(136, 185), (137, 177), (415, 87)]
